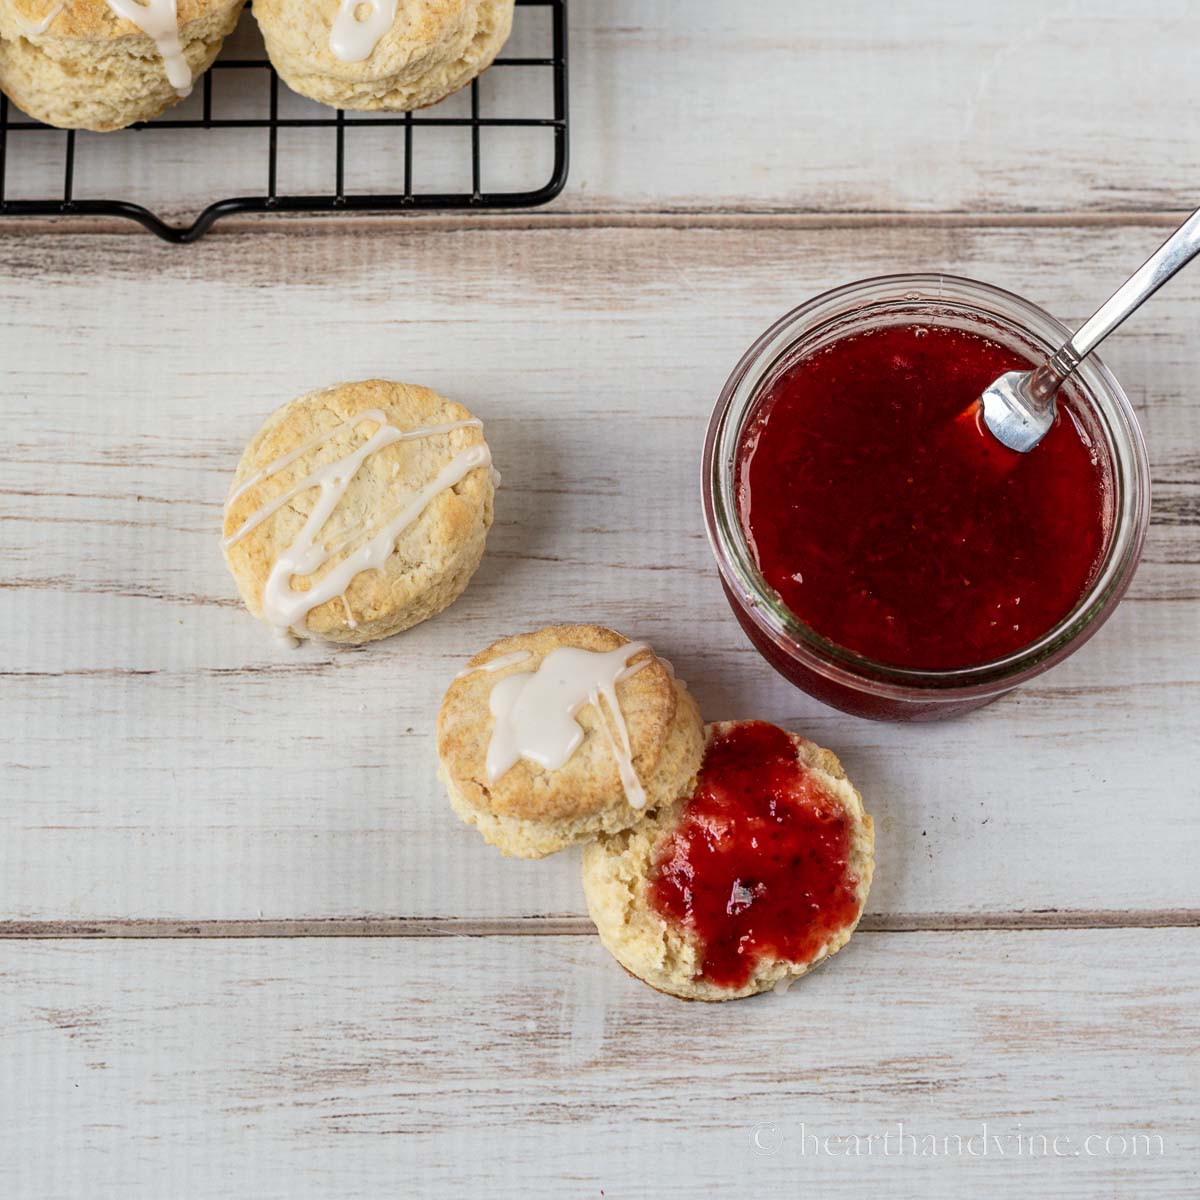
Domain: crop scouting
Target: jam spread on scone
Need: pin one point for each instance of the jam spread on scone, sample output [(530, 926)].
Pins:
[(879, 525), (757, 865)]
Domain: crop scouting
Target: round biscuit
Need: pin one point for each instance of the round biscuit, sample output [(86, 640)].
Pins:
[(616, 870), (92, 69), (433, 558), (433, 48), (530, 812)]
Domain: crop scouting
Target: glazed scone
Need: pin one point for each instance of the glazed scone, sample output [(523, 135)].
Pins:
[(744, 885), (529, 750), (394, 55), (359, 511), (81, 64)]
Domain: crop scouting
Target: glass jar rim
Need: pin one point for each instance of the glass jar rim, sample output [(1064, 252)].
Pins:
[(894, 294)]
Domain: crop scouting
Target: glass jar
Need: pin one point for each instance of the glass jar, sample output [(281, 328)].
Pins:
[(839, 676)]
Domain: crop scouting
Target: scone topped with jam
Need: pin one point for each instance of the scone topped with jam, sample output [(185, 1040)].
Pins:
[(745, 884), (359, 511), (550, 738)]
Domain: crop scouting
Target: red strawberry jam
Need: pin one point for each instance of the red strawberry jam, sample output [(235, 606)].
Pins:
[(899, 531), (757, 866)]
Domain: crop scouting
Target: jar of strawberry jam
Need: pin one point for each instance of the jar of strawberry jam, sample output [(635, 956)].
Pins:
[(880, 549)]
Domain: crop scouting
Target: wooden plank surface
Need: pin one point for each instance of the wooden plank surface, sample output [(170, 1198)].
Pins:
[(726, 166), (161, 758), (534, 1066), (926, 106)]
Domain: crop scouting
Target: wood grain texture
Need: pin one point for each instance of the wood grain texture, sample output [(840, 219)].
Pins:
[(922, 106), (580, 926), (536, 1067), (161, 759), (248, 951)]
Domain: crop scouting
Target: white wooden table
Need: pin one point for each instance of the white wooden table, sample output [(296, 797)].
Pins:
[(227, 977)]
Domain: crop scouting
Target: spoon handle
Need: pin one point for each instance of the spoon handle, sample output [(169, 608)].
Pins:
[(1176, 252)]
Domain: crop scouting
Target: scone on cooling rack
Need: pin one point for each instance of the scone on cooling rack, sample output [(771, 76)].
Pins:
[(359, 511), (550, 738), (747, 883), (104, 64), (394, 55)]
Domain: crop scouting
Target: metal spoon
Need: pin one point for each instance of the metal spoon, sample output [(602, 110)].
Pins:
[(1019, 407)]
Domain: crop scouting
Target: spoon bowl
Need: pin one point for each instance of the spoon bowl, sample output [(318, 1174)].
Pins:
[(1019, 408), (1013, 414)]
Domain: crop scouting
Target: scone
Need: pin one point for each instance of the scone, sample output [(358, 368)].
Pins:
[(359, 511), (553, 737), (747, 883), (395, 55), (104, 64)]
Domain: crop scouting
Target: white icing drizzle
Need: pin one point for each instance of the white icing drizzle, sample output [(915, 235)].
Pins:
[(159, 19), (535, 712), (284, 607), (273, 468), (370, 414), (36, 28), (353, 40), (496, 664)]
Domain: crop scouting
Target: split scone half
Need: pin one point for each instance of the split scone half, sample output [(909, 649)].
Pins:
[(359, 511), (551, 738), (747, 883), (394, 55), (104, 64)]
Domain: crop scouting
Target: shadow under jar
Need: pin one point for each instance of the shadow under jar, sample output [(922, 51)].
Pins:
[(904, 603)]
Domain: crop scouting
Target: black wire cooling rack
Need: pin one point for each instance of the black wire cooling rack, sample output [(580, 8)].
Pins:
[(13, 125)]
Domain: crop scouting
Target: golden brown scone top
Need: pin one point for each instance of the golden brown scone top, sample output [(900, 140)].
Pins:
[(590, 780), (94, 20), (433, 556), (423, 32), (433, 48)]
